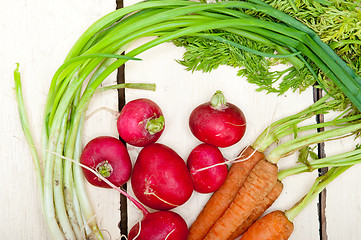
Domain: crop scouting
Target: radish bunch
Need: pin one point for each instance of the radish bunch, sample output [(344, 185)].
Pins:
[(217, 123), (160, 178)]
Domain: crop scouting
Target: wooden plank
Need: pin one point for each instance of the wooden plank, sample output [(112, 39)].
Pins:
[(343, 208), (38, 34), (179, 91)]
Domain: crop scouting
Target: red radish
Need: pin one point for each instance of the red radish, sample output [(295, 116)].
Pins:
[(156, 225), (160, 225), (217, 122), (207, 167), (160, 178), (109, 157), (141, 122)]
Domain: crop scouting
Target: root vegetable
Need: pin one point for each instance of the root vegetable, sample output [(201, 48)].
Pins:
[(223, 197), (160, 178), (160, 225), (156, 225), (278, 225), (273, 226), (255, 188), (234, 213), (218, 122), (259, 210), (141, 122), (109, 157), (207, 167), (110, 36)]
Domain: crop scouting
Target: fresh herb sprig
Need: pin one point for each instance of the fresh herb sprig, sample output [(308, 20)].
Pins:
[(206, 55), (336, 22)]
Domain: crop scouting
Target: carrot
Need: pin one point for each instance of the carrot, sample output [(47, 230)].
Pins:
[(224, 196), (255, 188), (273, 226), (278, 225), (259, 210), (263, 176)]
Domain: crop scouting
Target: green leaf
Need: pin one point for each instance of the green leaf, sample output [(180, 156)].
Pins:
[(304, 154)]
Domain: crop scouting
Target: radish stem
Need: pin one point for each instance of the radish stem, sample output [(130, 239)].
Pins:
[(155, 125), (218, 101)]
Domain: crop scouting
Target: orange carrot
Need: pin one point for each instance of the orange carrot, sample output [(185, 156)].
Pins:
[(278, 225), (261, 179), (224, 196), (273, 226), (255, 188), (259, 210)]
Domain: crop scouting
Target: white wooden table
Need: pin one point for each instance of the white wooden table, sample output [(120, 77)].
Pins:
[(38, 34)]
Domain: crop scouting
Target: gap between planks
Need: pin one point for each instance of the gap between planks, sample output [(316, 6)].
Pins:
[(123, 223), (317, 94)]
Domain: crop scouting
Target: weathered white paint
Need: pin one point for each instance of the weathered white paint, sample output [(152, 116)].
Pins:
[(179, 91), (38, 35), (343, 205)]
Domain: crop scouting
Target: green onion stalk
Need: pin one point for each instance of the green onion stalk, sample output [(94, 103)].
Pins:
[(103, 48), (67, 208)]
